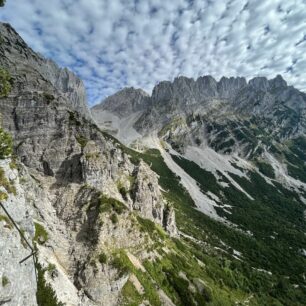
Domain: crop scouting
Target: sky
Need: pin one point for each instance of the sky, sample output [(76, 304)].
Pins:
[(112, 44)]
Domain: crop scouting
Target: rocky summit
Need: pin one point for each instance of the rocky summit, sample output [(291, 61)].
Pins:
[(194, 195)]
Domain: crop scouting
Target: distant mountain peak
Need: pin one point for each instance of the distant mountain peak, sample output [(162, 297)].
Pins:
[(125, 102)]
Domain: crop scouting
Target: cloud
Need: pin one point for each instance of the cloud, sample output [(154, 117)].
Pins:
[(118, 43)]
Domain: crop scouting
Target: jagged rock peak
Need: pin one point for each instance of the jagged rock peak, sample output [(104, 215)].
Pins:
[(125, 102), (228, 87), (189, 91), (262, 83), (162, 91), (278, 82), (259, 83), (18, 58)]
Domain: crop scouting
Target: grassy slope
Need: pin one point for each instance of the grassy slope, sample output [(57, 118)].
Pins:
[(274, 209), (227, 279), (276, 212)]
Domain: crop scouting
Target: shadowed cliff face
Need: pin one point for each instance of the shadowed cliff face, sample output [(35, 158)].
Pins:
[(41, 105), (32, 72)]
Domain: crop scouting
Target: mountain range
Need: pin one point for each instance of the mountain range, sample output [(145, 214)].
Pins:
[(193, 195)]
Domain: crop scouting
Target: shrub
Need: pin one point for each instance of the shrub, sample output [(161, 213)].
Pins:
[(73, 119), (13, 165), (6, 220), (5, 281), (114, 218), (102, 258), (107, 204), (51, 268), (41, 235), (4, 182), (123, 192), (3, 196), (6, 144), (5, 83), (81, 140)]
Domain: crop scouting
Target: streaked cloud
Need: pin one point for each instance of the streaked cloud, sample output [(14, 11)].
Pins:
[(118, 43)]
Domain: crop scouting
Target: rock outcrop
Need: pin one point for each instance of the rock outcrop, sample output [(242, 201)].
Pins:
[(34, 73), (17, 280)]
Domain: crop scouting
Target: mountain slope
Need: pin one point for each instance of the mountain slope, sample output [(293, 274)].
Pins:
[(238, 149), (111, 225)]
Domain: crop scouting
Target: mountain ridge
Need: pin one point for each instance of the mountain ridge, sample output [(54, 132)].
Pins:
[(271, 99)]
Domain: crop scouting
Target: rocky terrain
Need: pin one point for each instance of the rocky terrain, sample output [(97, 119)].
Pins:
[(169, 213), (81, 186), (227, 141), (281, 108)]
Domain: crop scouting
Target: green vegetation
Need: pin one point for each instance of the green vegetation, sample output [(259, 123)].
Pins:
[(92, 155), (177, 273), (45, 295), (6, 144), (280, 213), (265, 169), (51, 268), (123, 192), (8, 186), (130, 295), (275, 212), (5, 281), (81, 140), (151, 228), (107, 204), (5, 82), (296, 172), (295, 155), (3, 196), (146, 225), (41, 235), (7, 221), (102, 258), (2, 3), (206, 179), (13, 164), (122, 263), (114, 218)]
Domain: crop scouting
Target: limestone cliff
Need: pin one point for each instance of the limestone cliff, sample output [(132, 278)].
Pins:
[(24, 66), (17, 280), (87, 195)]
